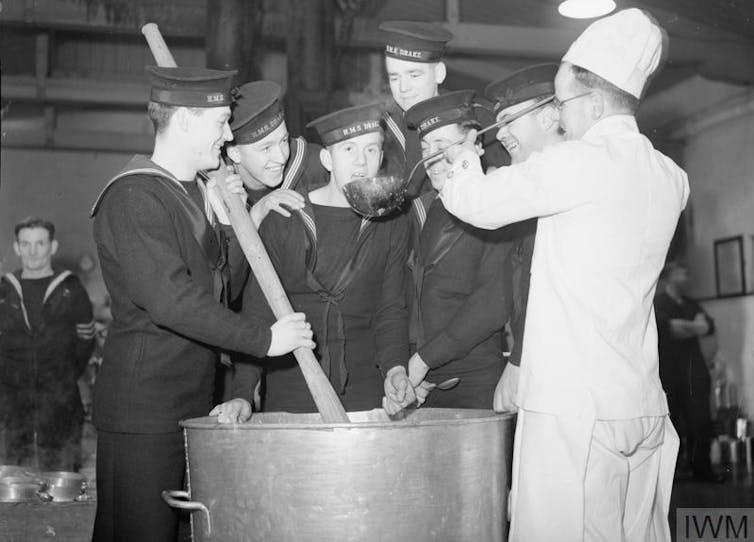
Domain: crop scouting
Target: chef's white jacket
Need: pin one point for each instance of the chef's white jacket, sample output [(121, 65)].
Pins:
[(608, 205)]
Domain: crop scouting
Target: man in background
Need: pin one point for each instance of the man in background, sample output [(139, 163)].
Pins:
[(46, 338), (415, 70), (681, 323)]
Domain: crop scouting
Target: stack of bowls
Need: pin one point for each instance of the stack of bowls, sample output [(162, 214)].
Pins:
[(64, 486)]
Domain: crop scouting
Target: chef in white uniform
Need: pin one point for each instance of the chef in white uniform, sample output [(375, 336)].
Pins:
[(594, 449)]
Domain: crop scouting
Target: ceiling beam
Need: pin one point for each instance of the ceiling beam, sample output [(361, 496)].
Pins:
[(730, 60)]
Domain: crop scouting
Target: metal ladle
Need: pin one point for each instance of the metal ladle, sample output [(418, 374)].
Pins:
[(380, 195)]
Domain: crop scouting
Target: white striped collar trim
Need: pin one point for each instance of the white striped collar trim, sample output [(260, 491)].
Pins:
[(421, 212), (312, 226), (396, 131), (17, 285), (138, 171), (55, 283), (294, 163)]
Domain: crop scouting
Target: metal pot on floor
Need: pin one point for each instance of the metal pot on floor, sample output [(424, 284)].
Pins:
[(437, 474)]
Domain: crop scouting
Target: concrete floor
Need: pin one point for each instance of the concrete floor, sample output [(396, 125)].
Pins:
[(737, 491)]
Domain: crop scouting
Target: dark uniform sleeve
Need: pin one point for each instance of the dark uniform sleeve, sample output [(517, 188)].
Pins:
[(710, 322), (480, 316), (159, 281), (391, 318), (83, 318)]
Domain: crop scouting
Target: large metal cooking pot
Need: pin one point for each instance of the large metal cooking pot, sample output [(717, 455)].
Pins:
[(437, 474)]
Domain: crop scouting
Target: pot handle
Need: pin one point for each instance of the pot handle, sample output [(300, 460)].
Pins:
[(177, 498)]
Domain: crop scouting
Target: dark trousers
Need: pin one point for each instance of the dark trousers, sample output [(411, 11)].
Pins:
[(132, 471), (690, 413)]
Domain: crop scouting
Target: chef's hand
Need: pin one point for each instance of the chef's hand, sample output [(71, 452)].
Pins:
[(279, 201), (290, 332), (506, 391), (452, 152), (233, 411), (398, 391), (233, 183)]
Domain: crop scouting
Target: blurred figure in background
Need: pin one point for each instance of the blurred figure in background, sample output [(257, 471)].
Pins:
[(46, 339), (681, 322)]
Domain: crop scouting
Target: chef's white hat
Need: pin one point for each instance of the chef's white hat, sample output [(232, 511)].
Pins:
[(623, 49)]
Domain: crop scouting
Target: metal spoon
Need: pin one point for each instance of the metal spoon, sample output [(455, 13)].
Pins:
[(447, 384)]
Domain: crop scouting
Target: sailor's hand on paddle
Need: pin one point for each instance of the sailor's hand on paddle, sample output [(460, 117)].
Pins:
[(290, 332), (399, 393), (417, 370), (233, 411), (281, 201), (233, 183)]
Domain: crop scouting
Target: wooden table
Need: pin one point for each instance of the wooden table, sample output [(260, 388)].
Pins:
[(33, 521)]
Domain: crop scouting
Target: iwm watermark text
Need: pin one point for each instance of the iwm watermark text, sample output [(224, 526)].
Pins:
[(718, 524)]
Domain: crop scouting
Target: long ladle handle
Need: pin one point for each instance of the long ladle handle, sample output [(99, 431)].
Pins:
[(502, 122), (325, 398)]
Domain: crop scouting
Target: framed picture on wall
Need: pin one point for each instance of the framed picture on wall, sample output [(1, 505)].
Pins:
[(730, 271)]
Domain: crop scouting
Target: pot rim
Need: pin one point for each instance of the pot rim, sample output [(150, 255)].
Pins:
[(62, 474), (470, 416)]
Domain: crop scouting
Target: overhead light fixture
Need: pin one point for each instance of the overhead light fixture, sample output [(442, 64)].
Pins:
[(585, 9)]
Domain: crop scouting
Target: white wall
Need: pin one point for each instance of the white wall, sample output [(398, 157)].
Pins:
[(719, 158)]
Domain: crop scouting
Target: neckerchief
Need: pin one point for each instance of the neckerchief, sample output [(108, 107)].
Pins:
[(331, 298)]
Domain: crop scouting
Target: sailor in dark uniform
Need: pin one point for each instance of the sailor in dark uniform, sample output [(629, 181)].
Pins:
[(415, 70), (163, 267), (460, 303), (347, 273), (272, 164), (530, 133)]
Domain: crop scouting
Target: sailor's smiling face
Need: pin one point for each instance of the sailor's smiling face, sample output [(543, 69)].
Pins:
[(207, 131), (437, 140), (264, 160)]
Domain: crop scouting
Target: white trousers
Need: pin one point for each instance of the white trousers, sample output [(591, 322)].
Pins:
[(577, 479)]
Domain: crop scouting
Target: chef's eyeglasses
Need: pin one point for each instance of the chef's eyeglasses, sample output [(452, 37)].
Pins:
[(560, 103)]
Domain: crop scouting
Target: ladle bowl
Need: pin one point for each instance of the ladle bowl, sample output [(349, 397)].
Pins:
[(376, 196)]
